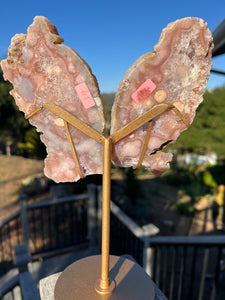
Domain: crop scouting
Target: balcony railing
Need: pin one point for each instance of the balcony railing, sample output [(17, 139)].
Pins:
[(189, 267), (11, 289), (182, 267), (10, 236)]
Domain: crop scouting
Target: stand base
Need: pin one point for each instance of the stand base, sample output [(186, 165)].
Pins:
[(79, 280), (102, 291)]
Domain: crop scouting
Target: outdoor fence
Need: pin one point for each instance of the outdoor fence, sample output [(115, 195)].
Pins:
[(57, 224), (48, 227), (190, 267), (21, 284), (11, 289), (182, 267), (10, 236)]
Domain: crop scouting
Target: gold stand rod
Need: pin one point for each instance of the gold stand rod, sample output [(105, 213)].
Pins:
[(106, 187)]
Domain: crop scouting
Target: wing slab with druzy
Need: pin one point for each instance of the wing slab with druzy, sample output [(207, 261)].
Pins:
[(42, 70), (48, 76), (176, 73)]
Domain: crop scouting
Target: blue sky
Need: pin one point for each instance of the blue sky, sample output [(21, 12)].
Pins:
[(110, 35)]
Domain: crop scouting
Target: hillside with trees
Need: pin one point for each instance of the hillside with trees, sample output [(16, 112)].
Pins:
[(207, 133)]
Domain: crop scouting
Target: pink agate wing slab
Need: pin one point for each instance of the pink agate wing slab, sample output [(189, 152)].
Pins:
[(175, 73), (42, 70)]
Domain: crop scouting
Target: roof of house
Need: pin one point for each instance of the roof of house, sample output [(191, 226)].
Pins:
[(219, 39), (219, 43)]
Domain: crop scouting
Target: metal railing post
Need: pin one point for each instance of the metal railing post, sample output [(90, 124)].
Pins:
[(24, 220), (99, 216), (149, 230), (147, 256), (91, 214), (28, 287)]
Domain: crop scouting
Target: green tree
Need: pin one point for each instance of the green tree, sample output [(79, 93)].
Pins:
[(207, 133), (33, 144), (13, 123)]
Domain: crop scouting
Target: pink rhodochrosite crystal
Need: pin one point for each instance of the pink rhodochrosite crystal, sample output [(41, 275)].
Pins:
[(42, 70), (175, 73)]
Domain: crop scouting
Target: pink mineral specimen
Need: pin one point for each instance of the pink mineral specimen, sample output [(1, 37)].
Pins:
[(42, 70), (176, 72)]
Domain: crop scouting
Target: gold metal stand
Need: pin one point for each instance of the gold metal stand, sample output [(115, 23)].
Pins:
[(104, 283), (77, 281)]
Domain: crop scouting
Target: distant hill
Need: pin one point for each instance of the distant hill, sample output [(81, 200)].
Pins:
[(108, 99)]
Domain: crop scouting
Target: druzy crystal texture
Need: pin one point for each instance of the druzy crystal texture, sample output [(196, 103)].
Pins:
[(176, 73), (42, 70)]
